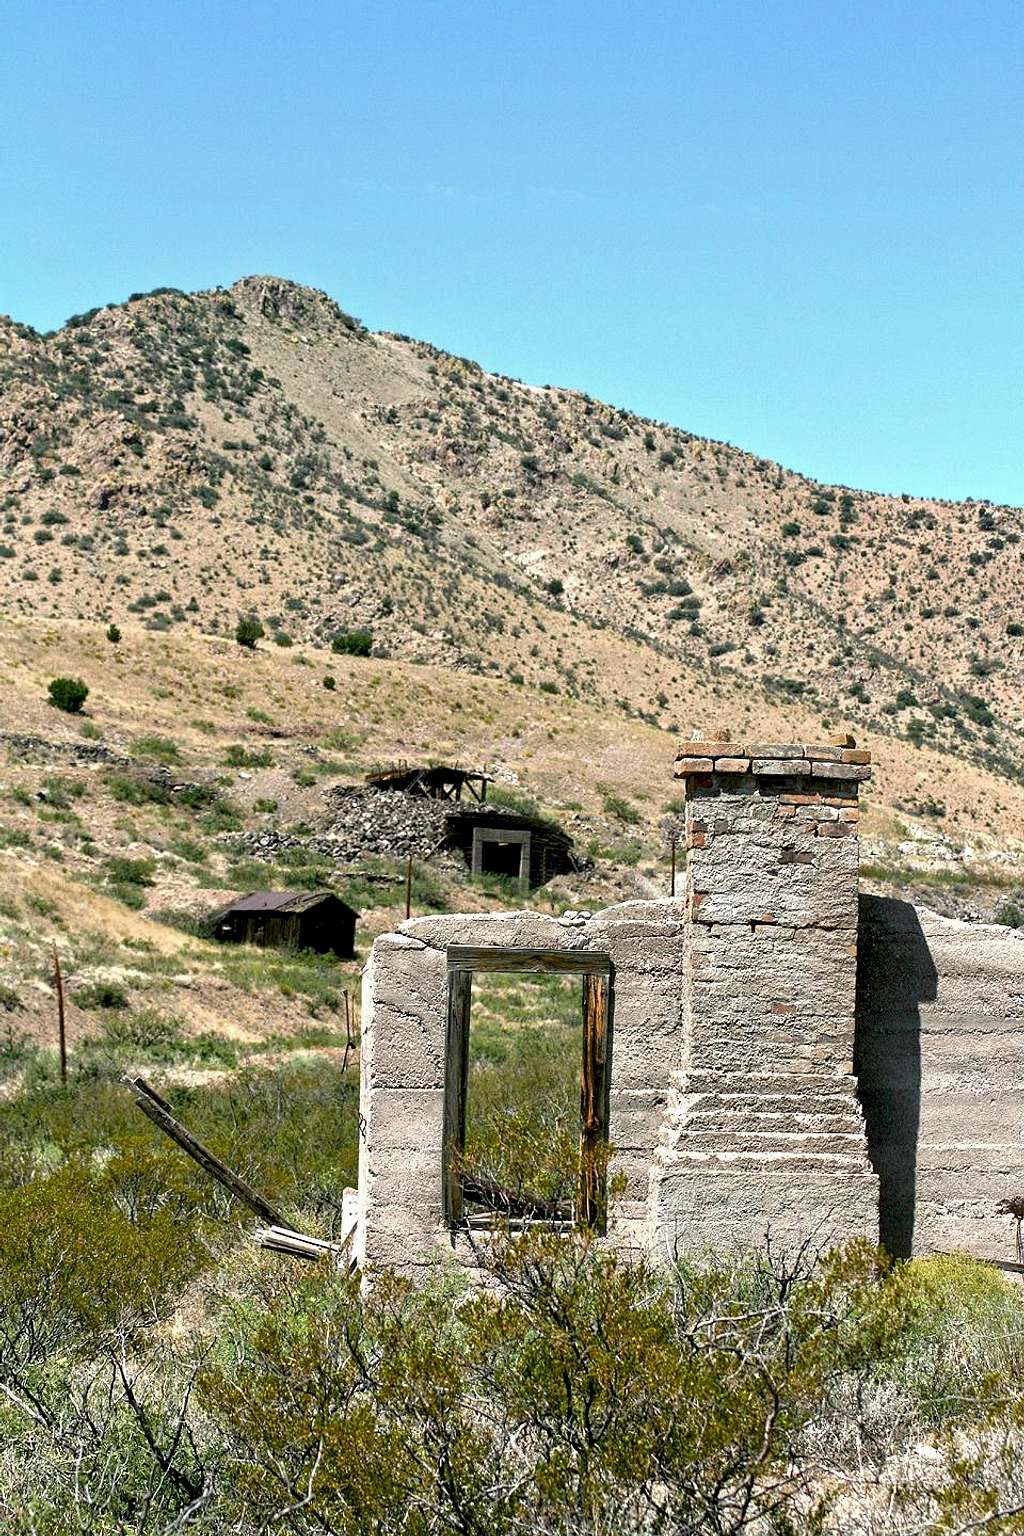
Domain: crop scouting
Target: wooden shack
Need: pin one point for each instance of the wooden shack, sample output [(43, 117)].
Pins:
[(289, 920), (528, 849)]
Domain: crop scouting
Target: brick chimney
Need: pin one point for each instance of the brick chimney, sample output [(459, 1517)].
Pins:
[(764, 1130)]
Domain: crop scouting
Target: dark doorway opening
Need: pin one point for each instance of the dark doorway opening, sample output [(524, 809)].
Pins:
[(502, 859)]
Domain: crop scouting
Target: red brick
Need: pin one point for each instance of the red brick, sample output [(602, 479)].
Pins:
[(696, 840)]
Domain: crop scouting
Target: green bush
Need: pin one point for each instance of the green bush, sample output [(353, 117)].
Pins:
[(113, 634), (352, 642), (614, 805), (238, 756), (101, 994), (68, 694), (248, 632)]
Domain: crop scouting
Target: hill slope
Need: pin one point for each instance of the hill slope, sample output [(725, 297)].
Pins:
[(183, 459)]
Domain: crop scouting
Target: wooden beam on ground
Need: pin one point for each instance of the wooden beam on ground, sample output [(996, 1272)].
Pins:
[(159, 1111), (298, 1245)]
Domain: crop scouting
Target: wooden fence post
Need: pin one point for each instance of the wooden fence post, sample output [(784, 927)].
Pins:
[(58, 982)]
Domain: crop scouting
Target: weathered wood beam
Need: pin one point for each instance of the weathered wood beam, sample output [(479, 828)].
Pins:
[(298, 1245), (159, 1111)]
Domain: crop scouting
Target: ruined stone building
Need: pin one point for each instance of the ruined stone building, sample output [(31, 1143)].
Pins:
[(769, 1051)]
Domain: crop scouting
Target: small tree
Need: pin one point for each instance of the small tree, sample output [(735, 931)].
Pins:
[(68, 694), (248, 632), (352, 642), (113, 634), (555, 587), (329, 683)]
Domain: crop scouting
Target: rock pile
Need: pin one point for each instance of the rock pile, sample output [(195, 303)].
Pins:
[(370, 823)]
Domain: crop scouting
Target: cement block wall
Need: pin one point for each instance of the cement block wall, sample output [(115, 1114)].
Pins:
[(940, 1062), (403, 1064)]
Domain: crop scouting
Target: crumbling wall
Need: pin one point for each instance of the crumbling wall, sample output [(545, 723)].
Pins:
[(403, 1064), (940, 1063)]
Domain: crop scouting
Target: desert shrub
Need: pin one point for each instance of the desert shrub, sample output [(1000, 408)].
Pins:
[(329, 683), (1010, 912), (238, 756), (113, 634), (555, 587), (963, 1322), (125, 871), (513, 800), (68, 694), (132, 790), (614, 805), (248, 632), (160, 748), (101, 994), (578, 1391), (352, 642)]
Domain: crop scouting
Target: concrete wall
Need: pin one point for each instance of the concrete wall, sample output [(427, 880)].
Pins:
[(403, 1064), (940, 1061)]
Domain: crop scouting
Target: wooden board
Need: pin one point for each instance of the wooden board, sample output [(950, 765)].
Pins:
[(469, 957)]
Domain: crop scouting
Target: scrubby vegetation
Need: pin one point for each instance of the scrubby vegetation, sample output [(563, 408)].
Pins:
[(159, 1374)]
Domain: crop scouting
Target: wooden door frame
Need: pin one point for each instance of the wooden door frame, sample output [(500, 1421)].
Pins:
[(595, 967)]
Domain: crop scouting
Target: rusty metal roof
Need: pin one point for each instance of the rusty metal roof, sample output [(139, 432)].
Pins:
[(280, 901)]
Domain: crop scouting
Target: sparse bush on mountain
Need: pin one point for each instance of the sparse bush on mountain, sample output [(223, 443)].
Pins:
[(352, 642), (68, 694), (113, 634), (248, 632)]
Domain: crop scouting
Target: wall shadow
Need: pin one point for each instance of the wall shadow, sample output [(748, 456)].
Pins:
[(895, 975)]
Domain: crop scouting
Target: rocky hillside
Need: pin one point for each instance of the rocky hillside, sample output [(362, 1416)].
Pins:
[(181, 460)]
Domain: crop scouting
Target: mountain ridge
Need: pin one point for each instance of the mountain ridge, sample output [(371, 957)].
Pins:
[(188, 458)]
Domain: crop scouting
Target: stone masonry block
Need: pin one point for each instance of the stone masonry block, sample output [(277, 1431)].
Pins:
[(404, 1118), (781, 766), (687, 766), (850, 771)]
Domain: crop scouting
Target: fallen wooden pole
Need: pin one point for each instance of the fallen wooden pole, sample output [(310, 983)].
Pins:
[(298, 1245), (159, 1111)]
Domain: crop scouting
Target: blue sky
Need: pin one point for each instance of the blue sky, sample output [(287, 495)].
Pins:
[(796, 226)]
